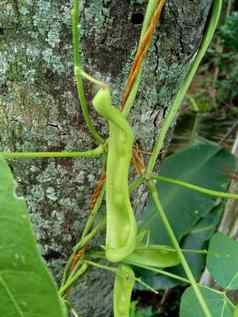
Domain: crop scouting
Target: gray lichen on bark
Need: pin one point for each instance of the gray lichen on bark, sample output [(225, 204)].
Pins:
[(39, 108)]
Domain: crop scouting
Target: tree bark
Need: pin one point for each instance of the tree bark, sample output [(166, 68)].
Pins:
[(39, 107)]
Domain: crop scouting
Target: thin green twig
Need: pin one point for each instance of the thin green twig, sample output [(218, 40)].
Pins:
[(215, 15), (73, 279), (74, 313), (159, 208), (77, 72), (196, 188), (93, 80), (136, 183), (90, 235), (156, 270), (182, 279), (193, 103), (102, 266), (93, 213), (82, 242), (115, 270), (35, 155)]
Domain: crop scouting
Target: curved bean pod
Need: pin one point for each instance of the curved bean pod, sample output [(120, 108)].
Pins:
[(123, 286), (121, 225)]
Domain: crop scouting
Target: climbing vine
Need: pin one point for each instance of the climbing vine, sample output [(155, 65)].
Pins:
[(127, 245)]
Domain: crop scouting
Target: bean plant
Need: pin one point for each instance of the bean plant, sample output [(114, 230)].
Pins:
[(26, 286)]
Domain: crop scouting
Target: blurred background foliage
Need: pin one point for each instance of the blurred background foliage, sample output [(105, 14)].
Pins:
[(211, 106)]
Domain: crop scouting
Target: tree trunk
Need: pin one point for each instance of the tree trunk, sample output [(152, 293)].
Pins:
[(39, 107)]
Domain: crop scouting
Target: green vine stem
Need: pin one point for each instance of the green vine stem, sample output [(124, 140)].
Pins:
[(115, 270), (155, 197), (102, 266), (77, 72), (182, 279), (174, 276), (90, 78), (34, 155), (70, 281), (74, 313), (196, 188), (215, 15), (89, 236), (82, 242), (93, 213), (101, 255), (136, 183), (193, 103)]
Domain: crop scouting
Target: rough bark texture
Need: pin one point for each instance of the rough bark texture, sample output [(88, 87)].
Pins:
[(39, 108)]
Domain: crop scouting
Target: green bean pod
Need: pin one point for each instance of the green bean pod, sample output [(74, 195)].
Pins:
[(121, 227), (158, 256), (123, 286)]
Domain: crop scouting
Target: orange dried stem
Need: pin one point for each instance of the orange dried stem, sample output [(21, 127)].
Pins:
[(138, 160), (97, 191), (76, 258), (74, 263), (143, 47)]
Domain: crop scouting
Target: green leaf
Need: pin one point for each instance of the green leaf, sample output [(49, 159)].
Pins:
[(26, 287), (236, 311), (153, 255), (204, 164), (222, 261), (155, 280), (219, 305)]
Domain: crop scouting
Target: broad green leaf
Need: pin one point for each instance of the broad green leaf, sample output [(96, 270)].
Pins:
[(153, 255), (222, 261), (218, 304), (26, 287), (203, 163)]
